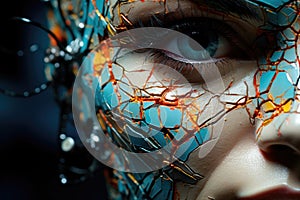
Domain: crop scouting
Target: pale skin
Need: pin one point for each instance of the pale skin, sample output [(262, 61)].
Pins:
[(241, 164)]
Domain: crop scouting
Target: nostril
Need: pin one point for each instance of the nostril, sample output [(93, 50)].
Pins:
[(282, 154), (280, 140), (280, 148)]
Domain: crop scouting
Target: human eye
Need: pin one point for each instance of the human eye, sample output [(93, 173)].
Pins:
[(217, 39), (214, 44), (209, 40)]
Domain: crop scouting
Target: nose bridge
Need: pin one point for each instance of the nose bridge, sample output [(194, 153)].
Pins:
[(278, 89), (277, 80)]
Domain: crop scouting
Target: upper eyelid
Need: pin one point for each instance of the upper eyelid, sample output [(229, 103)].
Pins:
[(136, 19), (220, 26), (152, 17)]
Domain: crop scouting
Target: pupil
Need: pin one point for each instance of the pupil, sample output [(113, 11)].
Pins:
[(203, 32), (202, 38), (208, 40)]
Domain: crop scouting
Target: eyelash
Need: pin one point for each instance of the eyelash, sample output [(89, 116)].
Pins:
[(172, 20), (186, 68)]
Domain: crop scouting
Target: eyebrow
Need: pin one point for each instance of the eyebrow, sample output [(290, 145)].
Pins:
[(241, 8)]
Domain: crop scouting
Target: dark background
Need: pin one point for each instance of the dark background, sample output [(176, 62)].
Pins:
[(28, 126)]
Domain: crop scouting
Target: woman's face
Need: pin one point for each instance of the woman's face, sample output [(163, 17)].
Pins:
[(253, 144)]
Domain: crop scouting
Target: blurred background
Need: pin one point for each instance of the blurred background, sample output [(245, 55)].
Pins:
[(28, 126)]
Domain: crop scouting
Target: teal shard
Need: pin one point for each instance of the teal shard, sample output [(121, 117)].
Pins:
[(282, 89), (292, 71), (289, 34), (152, 117), (159, 137), (109, 96), (276, 56), (290, 55), (134, 111), (278, 12), (265, 80), (124, 98), (148, 104), (178, 134), (187, 148), (202, 135), (104, 77), (137, 138), (170, 117), (286, 16), (117, 71), (296, 26), (270, 3)]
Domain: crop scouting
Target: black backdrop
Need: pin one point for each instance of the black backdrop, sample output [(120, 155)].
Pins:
[(28, 127)]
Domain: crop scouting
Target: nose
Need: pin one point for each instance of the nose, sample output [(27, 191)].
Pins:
[(283, 131)]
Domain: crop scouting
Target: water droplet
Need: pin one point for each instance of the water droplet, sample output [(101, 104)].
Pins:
[(34, 48)]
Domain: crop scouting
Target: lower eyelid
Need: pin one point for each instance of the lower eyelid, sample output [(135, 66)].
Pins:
[(188, 70), (229, 69), (185, 60)]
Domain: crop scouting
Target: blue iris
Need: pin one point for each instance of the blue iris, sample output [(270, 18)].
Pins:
[(199, 45)]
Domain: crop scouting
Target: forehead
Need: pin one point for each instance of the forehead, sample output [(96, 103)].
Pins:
[(271, 4), (274, 4), (252, 8), (245, 6)]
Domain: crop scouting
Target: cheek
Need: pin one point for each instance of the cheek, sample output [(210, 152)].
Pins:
[(231, 128), (236, 129), (161, 98), (158, 101), (142, 100)]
